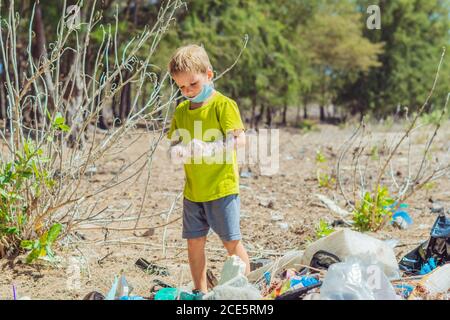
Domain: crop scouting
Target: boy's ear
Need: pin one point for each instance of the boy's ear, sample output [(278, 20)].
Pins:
[(210, 74)]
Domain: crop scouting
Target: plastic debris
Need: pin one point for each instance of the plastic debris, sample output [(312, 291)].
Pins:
[(355, 280), (283, 225), (437, 207), (94, 295), (237, 288), (151, 268), (405, 289), (112, 292), (333, 206), (290, 259), (346, 243), (258, 263), (436, 247), (428, 266), (276, 216), (232, 268), (123, 288), (402, 219), (438, 281), (246, 174), (323, 260), (166, 294)]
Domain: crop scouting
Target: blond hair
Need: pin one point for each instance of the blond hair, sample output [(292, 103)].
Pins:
[(190, 58)]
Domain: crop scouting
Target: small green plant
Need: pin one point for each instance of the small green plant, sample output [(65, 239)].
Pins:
[(374, 211), (42, 247), (323, 229), (324, 179), (320, 157), (22, 183), (433, 117), (374, 153), (307, 125)]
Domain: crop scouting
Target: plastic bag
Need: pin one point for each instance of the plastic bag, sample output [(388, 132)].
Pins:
[(237, 288), (355, 280), (437, 247), (347, 243)]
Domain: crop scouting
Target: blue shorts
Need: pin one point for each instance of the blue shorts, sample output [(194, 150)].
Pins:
[(221, 215)]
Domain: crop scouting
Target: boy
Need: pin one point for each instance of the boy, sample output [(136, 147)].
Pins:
[(211, 192)]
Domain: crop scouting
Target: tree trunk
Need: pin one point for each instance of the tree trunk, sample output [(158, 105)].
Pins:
[(322, 113), (259, 116), (269, 116), (305, 107), (125, 100), (283, 119), (253, 116)]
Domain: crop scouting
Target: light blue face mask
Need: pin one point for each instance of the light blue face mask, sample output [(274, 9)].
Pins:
[(204, 94)]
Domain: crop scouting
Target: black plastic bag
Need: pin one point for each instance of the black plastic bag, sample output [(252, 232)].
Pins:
[(437, 247)]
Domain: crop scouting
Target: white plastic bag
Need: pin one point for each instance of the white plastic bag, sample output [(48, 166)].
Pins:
[(237, 288), (347, 243), (356, 280)]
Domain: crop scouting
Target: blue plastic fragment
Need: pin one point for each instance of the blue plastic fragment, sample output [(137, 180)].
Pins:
[(267, 277), (428, 267)]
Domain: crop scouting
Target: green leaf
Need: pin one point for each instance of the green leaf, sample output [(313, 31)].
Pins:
[(53, 233), (27, 244)]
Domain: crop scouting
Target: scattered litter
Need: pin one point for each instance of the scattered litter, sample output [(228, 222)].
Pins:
[(289, 260), (341, 223), (333, 206), (94, 295), (246, 174), (267, 202), (323, 260), (166, 294), (258, 263), (402, 219), (158, 284), (276, 216), (437, 207), (232, 268), (283, 225), (151, 268), (404, 289), (211, 279)]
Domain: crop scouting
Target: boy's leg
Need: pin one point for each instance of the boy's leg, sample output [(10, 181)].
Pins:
[(195, 229), (223, 216), (197, 262), (235, 247)]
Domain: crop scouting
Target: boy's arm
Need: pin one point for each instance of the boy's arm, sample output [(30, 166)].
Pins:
[(239, 138)]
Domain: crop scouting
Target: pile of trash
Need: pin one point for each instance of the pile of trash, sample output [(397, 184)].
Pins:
[(345, 265)]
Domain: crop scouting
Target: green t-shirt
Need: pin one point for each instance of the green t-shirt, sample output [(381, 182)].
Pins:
[(205, 180)]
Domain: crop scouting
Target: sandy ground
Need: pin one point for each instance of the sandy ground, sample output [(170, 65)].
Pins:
[(91, 264)]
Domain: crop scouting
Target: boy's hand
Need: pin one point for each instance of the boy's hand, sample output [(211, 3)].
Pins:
[(179, 153)]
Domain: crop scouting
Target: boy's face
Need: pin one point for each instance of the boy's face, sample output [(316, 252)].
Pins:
[(191, 83)]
